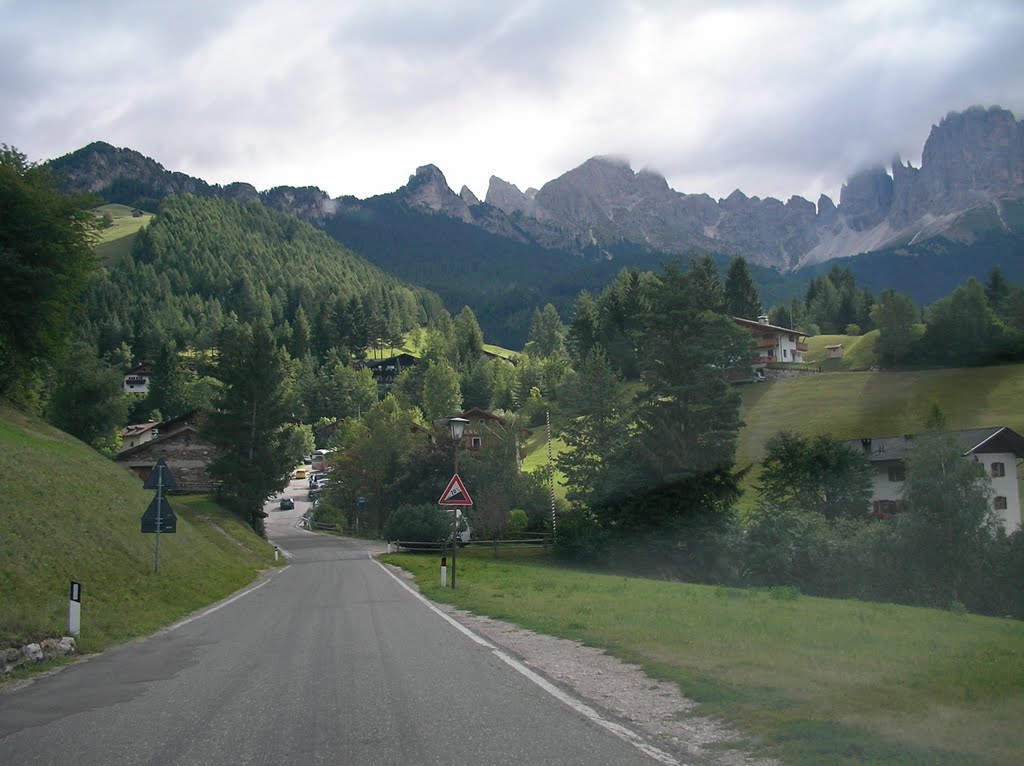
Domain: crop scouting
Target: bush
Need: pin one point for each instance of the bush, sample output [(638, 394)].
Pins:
[(579, 537), (424, 523), (518, 521)]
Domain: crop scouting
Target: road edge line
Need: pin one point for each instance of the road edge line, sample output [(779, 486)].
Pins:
[(625, 734)]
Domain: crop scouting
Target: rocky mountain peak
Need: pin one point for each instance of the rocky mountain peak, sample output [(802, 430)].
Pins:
[(308, 202), (507, 197), (428, 190), (468, 197), (866, 198)]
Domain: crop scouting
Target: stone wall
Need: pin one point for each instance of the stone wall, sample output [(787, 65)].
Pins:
[(13, 658)]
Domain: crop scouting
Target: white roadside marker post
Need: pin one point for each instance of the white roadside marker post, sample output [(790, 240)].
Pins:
[(444, 572), (75, 609), (275, 552)]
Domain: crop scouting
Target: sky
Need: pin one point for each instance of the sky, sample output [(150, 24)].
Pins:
[(772, 97)]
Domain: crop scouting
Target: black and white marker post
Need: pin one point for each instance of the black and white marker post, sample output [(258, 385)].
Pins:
[(75, 609)]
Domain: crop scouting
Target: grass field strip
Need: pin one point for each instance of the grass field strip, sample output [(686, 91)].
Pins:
[(623, 733)]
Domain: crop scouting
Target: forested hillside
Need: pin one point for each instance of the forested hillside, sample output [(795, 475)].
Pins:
[(202, 259)]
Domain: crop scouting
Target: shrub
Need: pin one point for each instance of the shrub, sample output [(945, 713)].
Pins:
[(518, 521), (424, 523), (580, 537)]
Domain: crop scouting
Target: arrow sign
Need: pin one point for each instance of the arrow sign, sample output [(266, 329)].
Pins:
[(168, 521), (160, 477), (455, 494)]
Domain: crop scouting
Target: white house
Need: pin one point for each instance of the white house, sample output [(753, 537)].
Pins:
[(136, 380), (774, 344), (998, 449), (139, 433)]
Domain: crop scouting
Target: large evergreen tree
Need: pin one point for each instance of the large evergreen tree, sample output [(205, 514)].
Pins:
[(741, 296), (247, 424), (676, 467)]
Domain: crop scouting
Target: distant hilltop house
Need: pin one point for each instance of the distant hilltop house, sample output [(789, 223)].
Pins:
[(180, 444), (834, 351), (774, 344), (136, 380), (385, 371), (998, 449), (139, 433)]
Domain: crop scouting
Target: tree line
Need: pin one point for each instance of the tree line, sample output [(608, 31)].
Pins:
[(259, 328)]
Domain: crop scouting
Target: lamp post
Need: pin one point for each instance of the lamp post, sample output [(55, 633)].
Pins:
[(458, 428)]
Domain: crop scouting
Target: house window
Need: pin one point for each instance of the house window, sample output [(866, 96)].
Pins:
[(785, 353), (897, 473), (998, 470), (999, 503), (475, 443)]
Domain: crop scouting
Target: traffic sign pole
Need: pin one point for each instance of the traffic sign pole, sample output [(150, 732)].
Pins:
[(159, 502)]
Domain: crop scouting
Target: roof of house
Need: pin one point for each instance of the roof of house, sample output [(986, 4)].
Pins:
[(755, 325), (972, 440), (138, 428), (835, 345), (146, 368), (152, 444), (400, 359)]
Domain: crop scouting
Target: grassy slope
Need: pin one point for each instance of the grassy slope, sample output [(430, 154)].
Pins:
[(854, 404), (858, 351), (116, 242), (816, 680), (68, 513)]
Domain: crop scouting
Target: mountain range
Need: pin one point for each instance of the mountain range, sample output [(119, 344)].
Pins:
[(965, 203), (971, 181)]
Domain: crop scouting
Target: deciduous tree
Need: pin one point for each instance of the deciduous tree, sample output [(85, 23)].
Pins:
[(815, 475), (45, 258)]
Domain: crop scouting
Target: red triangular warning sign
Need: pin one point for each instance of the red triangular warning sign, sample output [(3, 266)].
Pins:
[(455, 494)]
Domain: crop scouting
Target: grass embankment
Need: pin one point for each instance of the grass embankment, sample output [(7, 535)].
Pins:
[(811, 680), (858, 351), (116, 242), (851, 405), (68, 513)]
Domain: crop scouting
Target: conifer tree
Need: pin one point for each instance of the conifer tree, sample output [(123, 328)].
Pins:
[(741, 297)]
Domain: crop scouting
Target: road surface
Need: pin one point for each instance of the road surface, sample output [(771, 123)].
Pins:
[(332, 660)]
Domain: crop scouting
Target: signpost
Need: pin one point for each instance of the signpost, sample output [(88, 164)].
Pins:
[(455, 494), (159, 517)]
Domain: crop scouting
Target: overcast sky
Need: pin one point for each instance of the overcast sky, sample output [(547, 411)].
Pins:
[(774, 98)]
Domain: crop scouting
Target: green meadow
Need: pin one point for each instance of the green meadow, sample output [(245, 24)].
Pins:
[(116, 242), (810, 680)]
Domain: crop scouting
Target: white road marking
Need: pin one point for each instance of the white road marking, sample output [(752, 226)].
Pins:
[(583, 709), (221, 605)]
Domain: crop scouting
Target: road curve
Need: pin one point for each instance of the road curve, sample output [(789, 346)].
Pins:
[(328, 661)]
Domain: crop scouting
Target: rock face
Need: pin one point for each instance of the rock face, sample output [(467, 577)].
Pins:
[(865, 200), (428, 190), (507, 198), (308, 202)]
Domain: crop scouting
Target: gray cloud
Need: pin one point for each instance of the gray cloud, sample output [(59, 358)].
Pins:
[(774, 98)]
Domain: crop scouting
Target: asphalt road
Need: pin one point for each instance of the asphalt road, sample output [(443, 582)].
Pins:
[(331, 660)]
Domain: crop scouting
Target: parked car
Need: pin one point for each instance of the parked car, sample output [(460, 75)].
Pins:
[(300, 473), (287, 504)]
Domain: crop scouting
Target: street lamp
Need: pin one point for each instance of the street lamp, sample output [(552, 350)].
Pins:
[(458, 428)]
